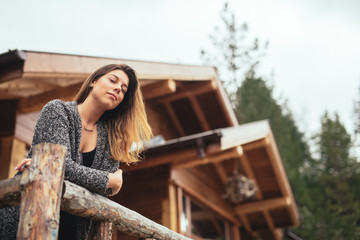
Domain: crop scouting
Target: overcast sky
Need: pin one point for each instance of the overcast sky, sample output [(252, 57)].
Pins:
[(313, 58)]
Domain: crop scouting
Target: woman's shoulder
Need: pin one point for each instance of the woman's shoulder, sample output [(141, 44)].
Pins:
[(60, 103), (60, 107)]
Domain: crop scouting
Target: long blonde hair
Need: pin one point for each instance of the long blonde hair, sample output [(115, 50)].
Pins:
[(127, 124)]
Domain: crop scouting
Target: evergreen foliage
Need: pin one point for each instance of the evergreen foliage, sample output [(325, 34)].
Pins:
[(255, 101), (325, 187), (335, 212)]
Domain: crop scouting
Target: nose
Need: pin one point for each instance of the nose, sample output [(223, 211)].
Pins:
[(117, 87)]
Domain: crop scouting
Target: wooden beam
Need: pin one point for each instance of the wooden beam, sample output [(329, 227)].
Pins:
[(33, 103), (203, 87), (256, 144), (28, 84), (169, 209), (211, 199), (246, 223), (218, 227), (244, 161), (278, 234), (34, 85), (199, 113), (221, 172), (235, 232), (177, 156), (100, 230), (281, 177), (219, 157), (180, 209), (158, 89), (262, 205), (174, 119), (53, 75), (181, 155), (268, 219), (188, 214), (41, 62), (223, 99), (173, 208)]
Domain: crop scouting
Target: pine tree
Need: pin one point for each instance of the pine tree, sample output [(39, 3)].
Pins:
[(234, 54), (255, 101), (336, 208)]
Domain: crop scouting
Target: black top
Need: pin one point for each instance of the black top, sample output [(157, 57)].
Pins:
[(67, 230), (88, 158)]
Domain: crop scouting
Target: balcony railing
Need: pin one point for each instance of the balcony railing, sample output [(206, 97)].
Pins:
[(41, 191)]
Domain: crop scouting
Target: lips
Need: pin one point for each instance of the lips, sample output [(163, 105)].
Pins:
[(113, 95)]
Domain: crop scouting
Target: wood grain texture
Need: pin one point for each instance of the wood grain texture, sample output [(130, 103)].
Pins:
[(41, 194)]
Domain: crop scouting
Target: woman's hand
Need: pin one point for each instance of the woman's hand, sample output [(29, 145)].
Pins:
[(25, 163), (115, 182)]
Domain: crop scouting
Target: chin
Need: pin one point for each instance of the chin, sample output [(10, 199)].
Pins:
[(112, 106)]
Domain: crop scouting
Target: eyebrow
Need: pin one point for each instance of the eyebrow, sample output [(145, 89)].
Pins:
[(114, 76)]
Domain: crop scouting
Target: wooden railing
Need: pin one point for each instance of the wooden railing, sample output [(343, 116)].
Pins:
[(41, 191)]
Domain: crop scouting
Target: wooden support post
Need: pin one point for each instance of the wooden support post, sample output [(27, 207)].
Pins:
[(101, 230), (41, 197)]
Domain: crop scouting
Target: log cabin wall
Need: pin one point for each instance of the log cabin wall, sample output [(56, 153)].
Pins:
[(160, 121), (12, 150)]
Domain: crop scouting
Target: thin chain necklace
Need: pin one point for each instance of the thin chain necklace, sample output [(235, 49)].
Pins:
[(87, 129)]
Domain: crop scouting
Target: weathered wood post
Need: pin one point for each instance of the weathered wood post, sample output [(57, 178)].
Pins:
[(101, 230), (41, 193)]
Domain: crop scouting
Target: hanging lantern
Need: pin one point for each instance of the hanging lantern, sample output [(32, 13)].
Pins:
[(240, 188)]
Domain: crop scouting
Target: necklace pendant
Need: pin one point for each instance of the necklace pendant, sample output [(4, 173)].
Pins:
[(87, 129)]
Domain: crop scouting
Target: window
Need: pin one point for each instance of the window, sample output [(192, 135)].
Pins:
[(201, 223)]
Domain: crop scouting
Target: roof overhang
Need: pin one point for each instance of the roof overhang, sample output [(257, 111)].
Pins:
[(34, 78), (251, 149)]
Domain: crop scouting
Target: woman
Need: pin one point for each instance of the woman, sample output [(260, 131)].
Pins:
[(99, 129)]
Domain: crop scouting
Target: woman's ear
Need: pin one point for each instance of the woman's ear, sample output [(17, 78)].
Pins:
[(92, 83)]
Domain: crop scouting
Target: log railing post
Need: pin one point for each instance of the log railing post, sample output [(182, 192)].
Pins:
[(100, 230), (41, 193)]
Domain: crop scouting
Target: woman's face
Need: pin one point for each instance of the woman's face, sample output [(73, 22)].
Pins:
[(109, 90)]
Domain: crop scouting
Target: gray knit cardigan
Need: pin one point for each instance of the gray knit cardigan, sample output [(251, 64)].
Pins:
[(59, 122)]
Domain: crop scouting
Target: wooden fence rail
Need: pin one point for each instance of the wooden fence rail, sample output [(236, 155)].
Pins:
[(42, 180)]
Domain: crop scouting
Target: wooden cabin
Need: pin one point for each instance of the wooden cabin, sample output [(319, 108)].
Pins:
[(203, 174)]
